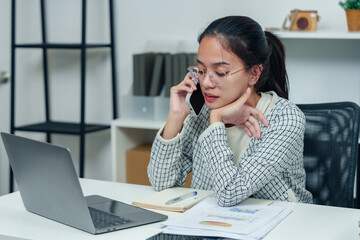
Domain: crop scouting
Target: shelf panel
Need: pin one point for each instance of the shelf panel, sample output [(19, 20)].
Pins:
[(61, 45), (137, 123), (61, 127), (320, 34)]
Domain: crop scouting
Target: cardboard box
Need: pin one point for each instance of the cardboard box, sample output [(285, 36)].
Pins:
[(137, 160)]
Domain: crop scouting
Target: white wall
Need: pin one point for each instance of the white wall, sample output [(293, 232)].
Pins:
[(157, 25)]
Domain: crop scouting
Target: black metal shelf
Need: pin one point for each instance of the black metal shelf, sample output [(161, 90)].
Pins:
[(61, 45), (49, 126), (62, 127)]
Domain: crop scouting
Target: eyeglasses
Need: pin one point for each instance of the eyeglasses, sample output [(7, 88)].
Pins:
[(218, 78)]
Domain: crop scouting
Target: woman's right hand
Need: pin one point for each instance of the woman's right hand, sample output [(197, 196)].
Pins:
[(178, 107), (178, 94)]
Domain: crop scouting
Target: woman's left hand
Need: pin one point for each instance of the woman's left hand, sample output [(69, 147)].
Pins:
[(240, 114)]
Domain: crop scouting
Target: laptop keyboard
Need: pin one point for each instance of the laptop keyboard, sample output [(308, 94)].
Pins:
[(103, 219)]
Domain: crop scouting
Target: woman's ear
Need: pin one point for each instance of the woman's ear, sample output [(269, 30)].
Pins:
[(255, 73)]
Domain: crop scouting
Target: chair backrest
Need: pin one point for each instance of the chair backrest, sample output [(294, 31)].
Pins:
[(331, 152)]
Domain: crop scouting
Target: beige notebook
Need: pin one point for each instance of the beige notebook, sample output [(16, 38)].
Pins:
[(175, 199)]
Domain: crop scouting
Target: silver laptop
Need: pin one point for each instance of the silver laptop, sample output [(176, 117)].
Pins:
[(49, 187)]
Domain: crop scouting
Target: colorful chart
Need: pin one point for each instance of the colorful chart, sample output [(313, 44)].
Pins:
[(213, 223), (243, 210), (231, 217)]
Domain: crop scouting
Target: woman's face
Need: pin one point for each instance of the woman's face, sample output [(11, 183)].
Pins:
[(213, 57)]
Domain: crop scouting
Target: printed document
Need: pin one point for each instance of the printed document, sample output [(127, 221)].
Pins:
[(244, 221)]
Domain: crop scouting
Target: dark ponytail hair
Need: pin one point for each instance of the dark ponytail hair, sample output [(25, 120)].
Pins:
[(245, 37)]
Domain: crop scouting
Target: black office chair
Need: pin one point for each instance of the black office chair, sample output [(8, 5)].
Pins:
[(331, 152)]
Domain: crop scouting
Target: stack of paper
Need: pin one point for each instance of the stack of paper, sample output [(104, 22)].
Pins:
[(244, 221)]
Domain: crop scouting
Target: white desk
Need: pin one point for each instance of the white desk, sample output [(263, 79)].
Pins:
[(306, 222)]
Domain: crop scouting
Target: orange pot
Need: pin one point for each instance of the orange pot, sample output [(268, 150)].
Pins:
[(353, 19)]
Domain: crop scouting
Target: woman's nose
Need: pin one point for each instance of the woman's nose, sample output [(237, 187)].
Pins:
[(207, 82)]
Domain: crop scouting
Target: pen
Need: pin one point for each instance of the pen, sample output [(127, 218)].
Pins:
[(178, 199)]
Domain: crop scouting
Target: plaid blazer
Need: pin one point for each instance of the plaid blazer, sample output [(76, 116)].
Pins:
[(271, 167)]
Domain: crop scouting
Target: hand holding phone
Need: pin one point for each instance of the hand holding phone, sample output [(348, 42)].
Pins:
[(195, 100)]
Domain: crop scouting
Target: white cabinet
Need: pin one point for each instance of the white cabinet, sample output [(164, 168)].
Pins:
[(128, 133)]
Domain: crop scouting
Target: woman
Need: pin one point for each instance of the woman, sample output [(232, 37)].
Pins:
[(230, 147)]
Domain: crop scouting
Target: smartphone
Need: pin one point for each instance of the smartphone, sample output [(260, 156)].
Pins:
[(195, 100)]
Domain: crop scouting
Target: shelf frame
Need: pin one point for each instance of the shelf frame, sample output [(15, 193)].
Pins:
[(49, 126), (61, 45)]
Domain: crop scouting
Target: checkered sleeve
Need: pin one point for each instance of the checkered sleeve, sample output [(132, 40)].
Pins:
[(272, 154), (170, 160)]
